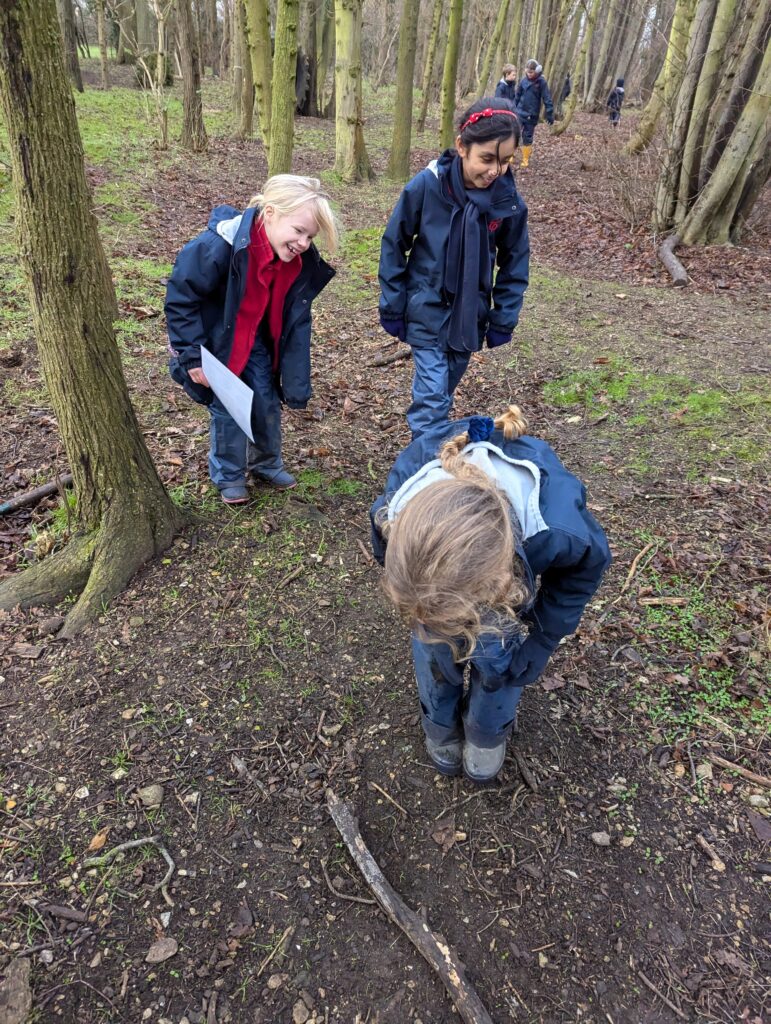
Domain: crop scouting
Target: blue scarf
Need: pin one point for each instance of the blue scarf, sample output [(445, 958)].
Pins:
[(468, 267)]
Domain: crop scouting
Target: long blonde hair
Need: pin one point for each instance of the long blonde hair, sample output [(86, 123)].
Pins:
[(451, 568), (285, 192)]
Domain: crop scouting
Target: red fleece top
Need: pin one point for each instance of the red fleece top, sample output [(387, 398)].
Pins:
[(268, 280)]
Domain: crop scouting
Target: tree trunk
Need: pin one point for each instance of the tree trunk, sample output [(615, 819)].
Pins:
[(258, 22), (583, 57), (592, 100), (239, 50), (101, 35), (428, 64), (492, 49), (702, 103), (123, 514), (146, 33), (284, 71), (566, 59), (247, 80), (399, 159), (449, 77), (225, 41), (212, 38), (669, 176), (67, 26), (714, 214), (193, 130), (325, 42), (514, 43), (126, 14), (556, 39), (351, 160)]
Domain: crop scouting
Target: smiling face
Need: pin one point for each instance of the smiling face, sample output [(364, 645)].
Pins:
[(290, 234), (483, 162)]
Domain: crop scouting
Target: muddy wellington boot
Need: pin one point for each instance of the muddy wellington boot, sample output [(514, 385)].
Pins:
[(526, 151)]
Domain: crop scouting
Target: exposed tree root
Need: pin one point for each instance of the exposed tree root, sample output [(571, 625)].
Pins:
[(52, 580)]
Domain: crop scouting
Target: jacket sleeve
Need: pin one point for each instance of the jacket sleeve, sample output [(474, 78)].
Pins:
[(377, 538), (513, 272), (547, 101), (500, 89), (201, 267), (399, 235)]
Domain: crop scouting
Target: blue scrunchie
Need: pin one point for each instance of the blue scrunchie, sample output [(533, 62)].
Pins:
[(480, 428)]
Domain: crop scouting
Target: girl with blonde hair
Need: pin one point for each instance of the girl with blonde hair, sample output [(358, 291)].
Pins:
[(243, 290), (490, 557)]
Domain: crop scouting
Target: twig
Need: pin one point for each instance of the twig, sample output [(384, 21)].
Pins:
[(717, 863), (383, 359), (280, 945), (37, 494), (390, 799), (647, 982), (760, 780), (525, 772), (342, 895), (633, 567), (435, 950), (132, 844), (319, 737)]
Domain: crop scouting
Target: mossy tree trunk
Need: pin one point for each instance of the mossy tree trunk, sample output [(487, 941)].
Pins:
[(428, 64), (593, 9), (566, 57), (399, 158), (325, 58), (193, 131), (124, 515), (284, 99), (101, 35), (514, 42), (593, 100), (69, 41), (492, 49), (258, 23), (244, 81), (450, 74), (556, 42), (351, 159)]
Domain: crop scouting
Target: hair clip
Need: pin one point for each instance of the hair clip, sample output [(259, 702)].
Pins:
[(480, 428)]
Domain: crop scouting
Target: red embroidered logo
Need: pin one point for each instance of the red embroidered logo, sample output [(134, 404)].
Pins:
[(494, 225)]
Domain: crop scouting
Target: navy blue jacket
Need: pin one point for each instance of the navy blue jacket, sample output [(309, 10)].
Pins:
[(205, 291), (506, 90), (413, 251), (529, 97), (569, 558)]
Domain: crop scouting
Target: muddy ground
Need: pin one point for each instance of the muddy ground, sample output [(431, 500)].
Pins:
[(615, 872)]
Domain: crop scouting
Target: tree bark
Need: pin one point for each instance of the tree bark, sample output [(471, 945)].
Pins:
[(449, 77), (212, 38), (428, 64), (101, 35), (566, 58), (258, 22), (225, 42), (124, 515), (325, 42), (556, 39), (399, 159), (283, 105), (492, 49), (592, 100), (514, 43), (193, 131), (146, 33), (67, 26), (583, 57), (351, 159)]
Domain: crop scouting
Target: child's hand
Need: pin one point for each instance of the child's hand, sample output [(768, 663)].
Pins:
[(198, 376), (396, 328)]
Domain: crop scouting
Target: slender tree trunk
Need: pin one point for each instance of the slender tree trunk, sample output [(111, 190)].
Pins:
[(67, 26), (146, 30), (583, 57), (592, 100), (566, 58), (123, 513), (556, 39), (247, 81), (325, 41), (428, 64), (283, 105), (399, 160), (193, 130), (239, 51), (126, 15), (449, 77), (351, 160), (212, 37), (101, 35), (492, 49), (514, 43), (258, 22), (225, 41)]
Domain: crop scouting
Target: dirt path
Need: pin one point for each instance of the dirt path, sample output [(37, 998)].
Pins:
[(256, 665)]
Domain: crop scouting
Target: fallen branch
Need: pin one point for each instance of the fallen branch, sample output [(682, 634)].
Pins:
[(760, 780), (37, 494), (438, 954), (132, 844), (383, 359), (666, 253)]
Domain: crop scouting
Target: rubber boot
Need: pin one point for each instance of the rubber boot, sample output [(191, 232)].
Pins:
[(526, 151)]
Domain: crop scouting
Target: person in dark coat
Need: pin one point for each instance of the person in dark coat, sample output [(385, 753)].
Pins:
[(614, 102), (472, 515), (243, 290), (454, 223), (532, 93), (507, 86)]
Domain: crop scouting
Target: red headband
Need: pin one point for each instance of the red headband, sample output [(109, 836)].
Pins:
[(487, 112)]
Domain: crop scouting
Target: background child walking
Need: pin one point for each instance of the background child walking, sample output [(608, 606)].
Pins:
[(614, 101), (243, 290), (467, 523), (532, 92), (453, 222), (507, 87)]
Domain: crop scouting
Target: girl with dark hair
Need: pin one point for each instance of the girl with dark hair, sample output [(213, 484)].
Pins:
[(454, 223)]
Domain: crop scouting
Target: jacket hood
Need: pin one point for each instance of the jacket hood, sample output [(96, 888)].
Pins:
[(221, 214), (519, 479)]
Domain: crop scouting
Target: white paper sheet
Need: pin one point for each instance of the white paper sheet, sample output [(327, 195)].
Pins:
[(231, 391)]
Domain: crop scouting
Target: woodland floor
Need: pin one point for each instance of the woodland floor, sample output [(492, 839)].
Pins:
[(256, 664)]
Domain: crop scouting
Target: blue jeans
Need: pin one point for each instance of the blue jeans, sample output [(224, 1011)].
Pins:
[(437, 375), (231, 452), (484, 715)]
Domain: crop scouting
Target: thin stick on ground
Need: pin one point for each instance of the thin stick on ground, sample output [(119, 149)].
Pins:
[(133, 844), (433, 948), (657, 992), (760, 780)]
